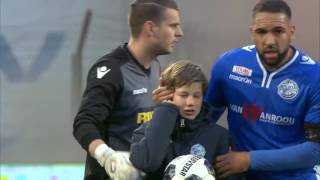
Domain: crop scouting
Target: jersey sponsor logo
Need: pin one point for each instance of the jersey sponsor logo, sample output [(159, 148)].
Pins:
[(242, 70), (240, 79), (143, 117), (257, 113), (288, 89), (198, 150), (307, 60), (140, 91), (102, 71), (252, 112)]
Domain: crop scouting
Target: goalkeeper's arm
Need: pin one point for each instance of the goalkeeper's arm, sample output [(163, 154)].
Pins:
[(115, 163), (93, 146)]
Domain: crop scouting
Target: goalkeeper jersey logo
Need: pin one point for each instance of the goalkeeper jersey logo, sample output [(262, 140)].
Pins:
[(101, 71)]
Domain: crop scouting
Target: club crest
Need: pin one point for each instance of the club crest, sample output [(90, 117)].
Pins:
[(288, 89), (198, 150)]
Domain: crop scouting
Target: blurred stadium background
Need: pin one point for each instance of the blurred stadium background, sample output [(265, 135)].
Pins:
[(44, 62)]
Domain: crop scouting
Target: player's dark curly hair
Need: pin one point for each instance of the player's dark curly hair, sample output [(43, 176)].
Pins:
[(273, 6)]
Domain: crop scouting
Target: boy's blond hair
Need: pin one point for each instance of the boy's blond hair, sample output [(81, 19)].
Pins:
[(181, 73)]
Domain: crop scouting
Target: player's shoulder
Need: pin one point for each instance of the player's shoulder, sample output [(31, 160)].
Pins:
[(307, 64), (238, 53), (244, 50), (116, 57), (108, 66), (306, 60), (307, 68)]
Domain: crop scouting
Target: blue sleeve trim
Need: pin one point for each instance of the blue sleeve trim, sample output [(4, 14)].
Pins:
[(305, 155)]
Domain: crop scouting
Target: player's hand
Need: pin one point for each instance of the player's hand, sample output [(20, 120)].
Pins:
[(232, 163), (128, 171), (116, 164), (161, 94)]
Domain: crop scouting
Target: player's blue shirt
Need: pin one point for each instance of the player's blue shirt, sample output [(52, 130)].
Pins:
[(267, 110)]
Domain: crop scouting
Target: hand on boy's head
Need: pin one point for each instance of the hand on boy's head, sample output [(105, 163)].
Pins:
[(169, 101), (161, 94), (161, 81)]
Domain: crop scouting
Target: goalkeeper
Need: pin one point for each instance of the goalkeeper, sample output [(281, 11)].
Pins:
[(180, 125), (117, 98)]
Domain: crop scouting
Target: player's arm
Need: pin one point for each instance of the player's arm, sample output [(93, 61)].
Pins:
[(147, 152), (214, 95), (312, 132), (96, 104), (305, 155), (104, 83), (115, 163)]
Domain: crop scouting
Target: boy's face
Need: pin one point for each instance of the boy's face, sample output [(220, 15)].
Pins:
[(188, 98)]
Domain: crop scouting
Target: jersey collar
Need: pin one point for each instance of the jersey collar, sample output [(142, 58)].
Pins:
[(267, 77)]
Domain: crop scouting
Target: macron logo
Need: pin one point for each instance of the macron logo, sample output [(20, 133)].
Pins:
[(249, 48), (140, 91), (101, 71), (307, 60)]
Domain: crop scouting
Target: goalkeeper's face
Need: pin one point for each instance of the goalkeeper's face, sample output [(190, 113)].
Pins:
[(189, 98)]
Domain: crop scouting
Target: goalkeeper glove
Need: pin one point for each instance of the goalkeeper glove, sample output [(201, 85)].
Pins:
[(116, 163)]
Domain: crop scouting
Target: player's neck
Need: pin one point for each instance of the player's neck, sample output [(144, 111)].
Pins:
[(141, 52)]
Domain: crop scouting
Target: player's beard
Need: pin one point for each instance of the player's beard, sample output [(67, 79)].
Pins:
[(273, 63)]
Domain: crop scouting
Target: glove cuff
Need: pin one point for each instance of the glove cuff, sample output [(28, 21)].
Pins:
[(98, 153)]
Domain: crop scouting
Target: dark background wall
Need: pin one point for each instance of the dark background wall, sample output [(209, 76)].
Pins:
[(39, 37)]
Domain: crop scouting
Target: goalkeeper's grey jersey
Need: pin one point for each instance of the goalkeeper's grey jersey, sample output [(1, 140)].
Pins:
[(117, 99)]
